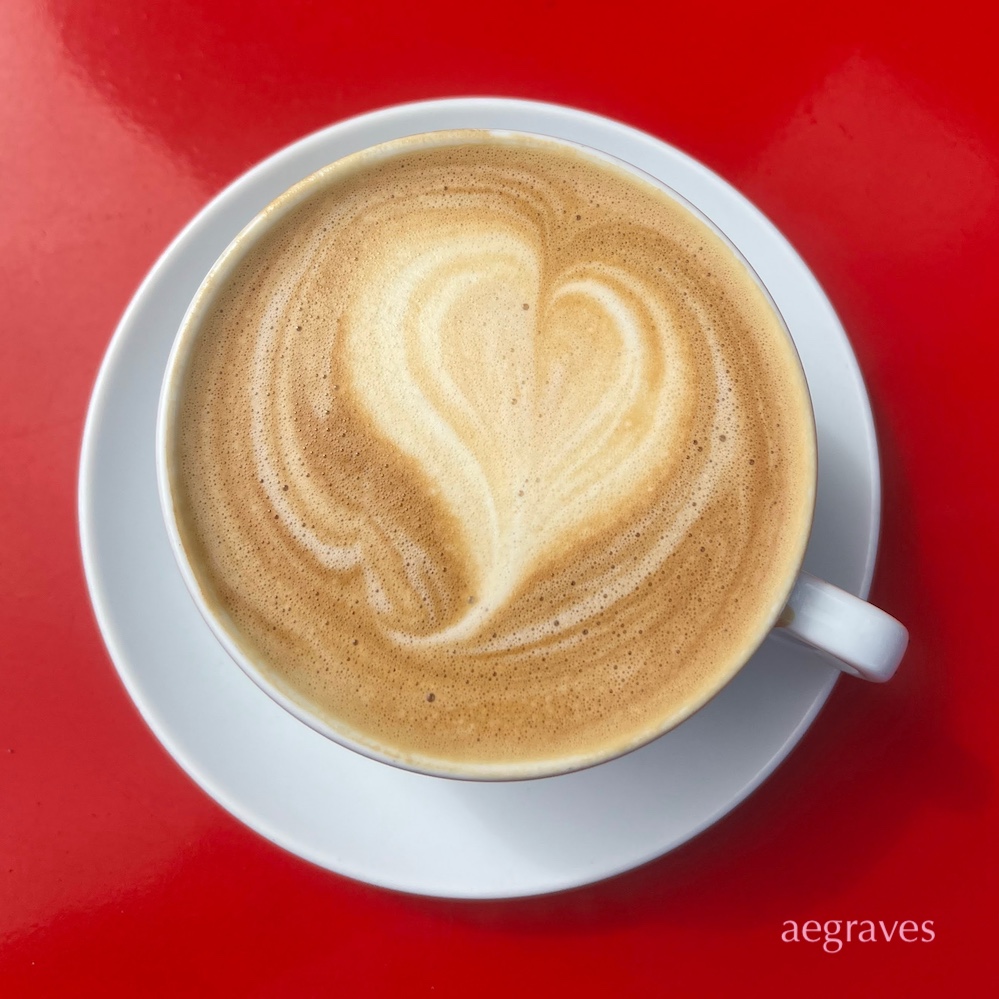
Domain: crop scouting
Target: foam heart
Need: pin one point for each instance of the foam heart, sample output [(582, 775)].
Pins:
[(535, 404)]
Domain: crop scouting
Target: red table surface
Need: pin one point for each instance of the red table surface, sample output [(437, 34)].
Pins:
[(869, 133)]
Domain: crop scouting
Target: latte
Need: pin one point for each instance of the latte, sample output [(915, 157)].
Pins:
[(490, 455)]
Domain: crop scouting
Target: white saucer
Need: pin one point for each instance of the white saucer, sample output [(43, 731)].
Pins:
[(370, 821)]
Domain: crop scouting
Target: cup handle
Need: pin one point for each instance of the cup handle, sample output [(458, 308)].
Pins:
[(861, 639)]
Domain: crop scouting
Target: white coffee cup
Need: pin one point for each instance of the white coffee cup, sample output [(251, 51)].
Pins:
[(855, 636)]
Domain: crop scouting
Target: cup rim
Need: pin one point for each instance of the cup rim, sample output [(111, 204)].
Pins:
[(181, 348)]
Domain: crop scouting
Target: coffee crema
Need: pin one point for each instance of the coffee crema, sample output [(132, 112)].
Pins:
[(491, 455)]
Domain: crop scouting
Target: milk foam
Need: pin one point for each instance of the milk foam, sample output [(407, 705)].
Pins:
[(493, 455)]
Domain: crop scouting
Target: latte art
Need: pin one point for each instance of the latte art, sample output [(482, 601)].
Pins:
[(491, 454)]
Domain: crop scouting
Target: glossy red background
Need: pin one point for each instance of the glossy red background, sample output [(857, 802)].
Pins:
[(870, 134)]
